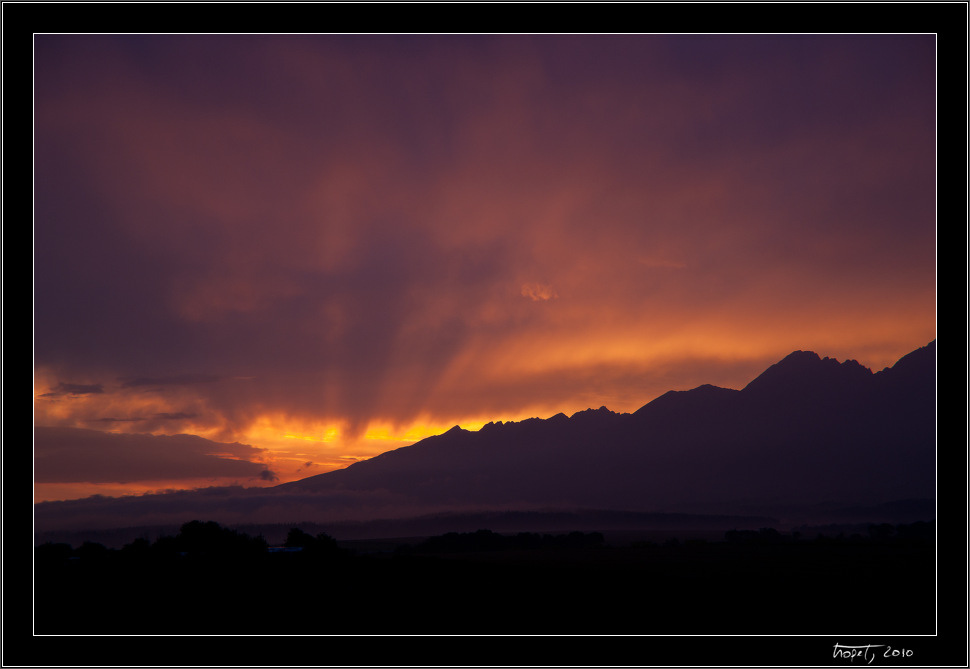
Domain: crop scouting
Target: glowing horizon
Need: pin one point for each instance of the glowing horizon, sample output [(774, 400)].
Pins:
[(318, 448)]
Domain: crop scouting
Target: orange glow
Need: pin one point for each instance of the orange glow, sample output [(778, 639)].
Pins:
[(329, 435), (53, 492)]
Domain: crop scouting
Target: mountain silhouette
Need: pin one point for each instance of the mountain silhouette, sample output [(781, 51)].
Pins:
[(808, 430)]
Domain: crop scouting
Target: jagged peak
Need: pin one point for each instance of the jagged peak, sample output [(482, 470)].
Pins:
[(803, 366), (602, 411), (805, 358), (852, 364), (799, 356), (709, 388)]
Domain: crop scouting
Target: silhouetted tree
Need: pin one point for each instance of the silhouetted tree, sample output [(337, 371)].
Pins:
[(166, 546), (139, 545), (326, 543), (882, 531), (91, 551), (769, 535), (321, 544), (297, 538), (923, 531), (766, 535), (209, 538)]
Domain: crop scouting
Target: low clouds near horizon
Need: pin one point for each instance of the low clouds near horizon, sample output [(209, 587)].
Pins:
[(73, 455), (330, 246)]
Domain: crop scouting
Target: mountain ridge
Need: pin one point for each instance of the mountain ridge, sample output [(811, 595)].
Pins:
[(802, 399)]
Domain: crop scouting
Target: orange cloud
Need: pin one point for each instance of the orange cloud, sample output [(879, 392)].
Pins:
[(538, 291)]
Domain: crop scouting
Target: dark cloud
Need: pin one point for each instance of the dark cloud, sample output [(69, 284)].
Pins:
[(174, 416), (267, 475), (179, 380), (163, 416), (74, 390), (77, 455)]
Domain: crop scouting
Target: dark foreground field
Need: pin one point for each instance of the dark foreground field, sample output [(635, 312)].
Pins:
[(218, 582)]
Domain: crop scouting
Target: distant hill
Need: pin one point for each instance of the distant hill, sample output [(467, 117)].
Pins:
[(809, 433)]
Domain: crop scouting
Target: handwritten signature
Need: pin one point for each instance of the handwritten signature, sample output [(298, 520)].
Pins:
[(868, 652)]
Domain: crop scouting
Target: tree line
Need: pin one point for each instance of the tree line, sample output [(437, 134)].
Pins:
[(196, 540)]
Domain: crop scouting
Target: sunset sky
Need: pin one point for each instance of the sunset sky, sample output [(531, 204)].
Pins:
[(315, 249)]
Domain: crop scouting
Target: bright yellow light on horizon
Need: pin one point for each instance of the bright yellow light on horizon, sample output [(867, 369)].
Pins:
[(328, 436), (417, 432)]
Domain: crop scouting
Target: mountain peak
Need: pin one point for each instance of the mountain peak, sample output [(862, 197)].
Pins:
[(799, 357), (602, 411), (805, 370), (679, 400)]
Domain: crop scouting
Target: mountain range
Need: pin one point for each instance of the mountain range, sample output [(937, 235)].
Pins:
[(809, 432)]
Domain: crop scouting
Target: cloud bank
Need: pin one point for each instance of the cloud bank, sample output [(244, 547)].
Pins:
[(72, 455)]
